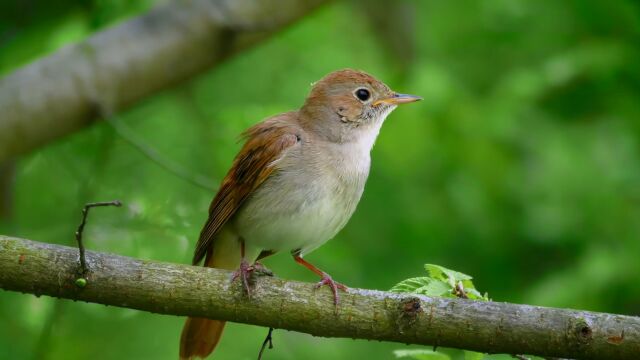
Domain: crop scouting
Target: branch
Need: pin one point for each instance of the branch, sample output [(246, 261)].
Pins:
[(46, 269), (114, 68)]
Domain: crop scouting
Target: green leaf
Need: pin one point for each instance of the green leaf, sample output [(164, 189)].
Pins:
[(468, 284), (423, 286), (421, 354), (442, 273), (440, 282), (437, 288), (411, 285), (476, 295)]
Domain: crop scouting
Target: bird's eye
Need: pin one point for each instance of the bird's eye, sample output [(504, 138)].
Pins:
[(363, 94)]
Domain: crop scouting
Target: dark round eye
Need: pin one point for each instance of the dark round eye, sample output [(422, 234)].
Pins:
[(363, 94)]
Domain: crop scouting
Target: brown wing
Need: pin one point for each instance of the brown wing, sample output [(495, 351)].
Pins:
[(265, 143)]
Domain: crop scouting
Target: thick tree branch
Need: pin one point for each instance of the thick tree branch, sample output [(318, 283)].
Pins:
[(114, 68), (45, 269)]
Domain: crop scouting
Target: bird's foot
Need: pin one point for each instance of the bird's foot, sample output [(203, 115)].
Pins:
[(334, 285), (244, 272), (247, 274)]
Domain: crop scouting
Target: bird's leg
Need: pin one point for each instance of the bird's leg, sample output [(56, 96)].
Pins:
[(326, 279), (244, 271), (247, 272)]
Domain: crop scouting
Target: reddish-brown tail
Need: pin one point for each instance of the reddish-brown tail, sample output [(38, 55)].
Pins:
[(201, 335)]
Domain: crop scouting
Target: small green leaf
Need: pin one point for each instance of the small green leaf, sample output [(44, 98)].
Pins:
[(437, 288), (420, 354), (442, 273), (468, 284), (410, 285), (476, 295), (423, 286)]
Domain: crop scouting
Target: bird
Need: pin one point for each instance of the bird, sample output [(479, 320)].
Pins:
[(293, 186)]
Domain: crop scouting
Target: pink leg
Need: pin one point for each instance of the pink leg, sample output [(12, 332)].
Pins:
[(244, 271), (325, 278)]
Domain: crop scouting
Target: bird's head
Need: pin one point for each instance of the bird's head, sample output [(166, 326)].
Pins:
[(346, 102)]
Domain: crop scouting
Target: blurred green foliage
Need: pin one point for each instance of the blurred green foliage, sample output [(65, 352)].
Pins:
[(521, 166)]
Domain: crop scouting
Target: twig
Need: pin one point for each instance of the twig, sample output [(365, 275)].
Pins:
[(85, 191), (85, 213), (267, 340), (152, 154)]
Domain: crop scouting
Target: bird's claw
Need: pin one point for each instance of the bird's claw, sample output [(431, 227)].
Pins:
[(244, 272), (247, 272), (334, 285)]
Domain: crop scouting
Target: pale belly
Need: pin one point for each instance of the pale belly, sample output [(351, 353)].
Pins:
[(298, 212)]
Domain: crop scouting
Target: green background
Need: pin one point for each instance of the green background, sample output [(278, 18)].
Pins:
[(520, 167)]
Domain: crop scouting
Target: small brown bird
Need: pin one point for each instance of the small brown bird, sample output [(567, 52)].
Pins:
[(293, 186)]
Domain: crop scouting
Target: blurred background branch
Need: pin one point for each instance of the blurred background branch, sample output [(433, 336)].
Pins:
[(114, 68), (152, 154), (46, 269), (394, 25)]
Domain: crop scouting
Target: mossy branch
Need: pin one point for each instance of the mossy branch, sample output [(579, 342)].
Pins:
[(46, 269)]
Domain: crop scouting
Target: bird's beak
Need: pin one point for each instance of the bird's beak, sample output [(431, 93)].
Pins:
[(397, 99)]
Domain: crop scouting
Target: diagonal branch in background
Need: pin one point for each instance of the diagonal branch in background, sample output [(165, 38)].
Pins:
[(114, 68), (46, 269), (156, 157)]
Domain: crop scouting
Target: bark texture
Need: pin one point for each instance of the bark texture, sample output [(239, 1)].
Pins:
[(46, 269), (114, 68)]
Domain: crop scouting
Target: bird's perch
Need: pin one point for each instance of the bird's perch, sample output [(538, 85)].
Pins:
[(114, 68), (46, 269)]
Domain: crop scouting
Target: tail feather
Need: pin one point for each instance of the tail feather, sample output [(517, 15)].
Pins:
[(199, 337)]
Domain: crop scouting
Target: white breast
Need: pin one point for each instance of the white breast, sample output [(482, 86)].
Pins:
[(300, 207), (310, 197)]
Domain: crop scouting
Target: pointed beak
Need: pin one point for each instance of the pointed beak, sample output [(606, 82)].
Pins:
[(397, 99)]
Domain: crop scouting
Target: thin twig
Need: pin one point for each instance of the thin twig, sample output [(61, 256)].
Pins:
[(85, 213), (85, 191), (152, 154), (267, 340)]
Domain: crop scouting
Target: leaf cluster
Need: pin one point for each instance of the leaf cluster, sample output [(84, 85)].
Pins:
[(443, 282)]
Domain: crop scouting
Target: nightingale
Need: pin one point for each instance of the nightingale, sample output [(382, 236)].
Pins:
[(293, 186)]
